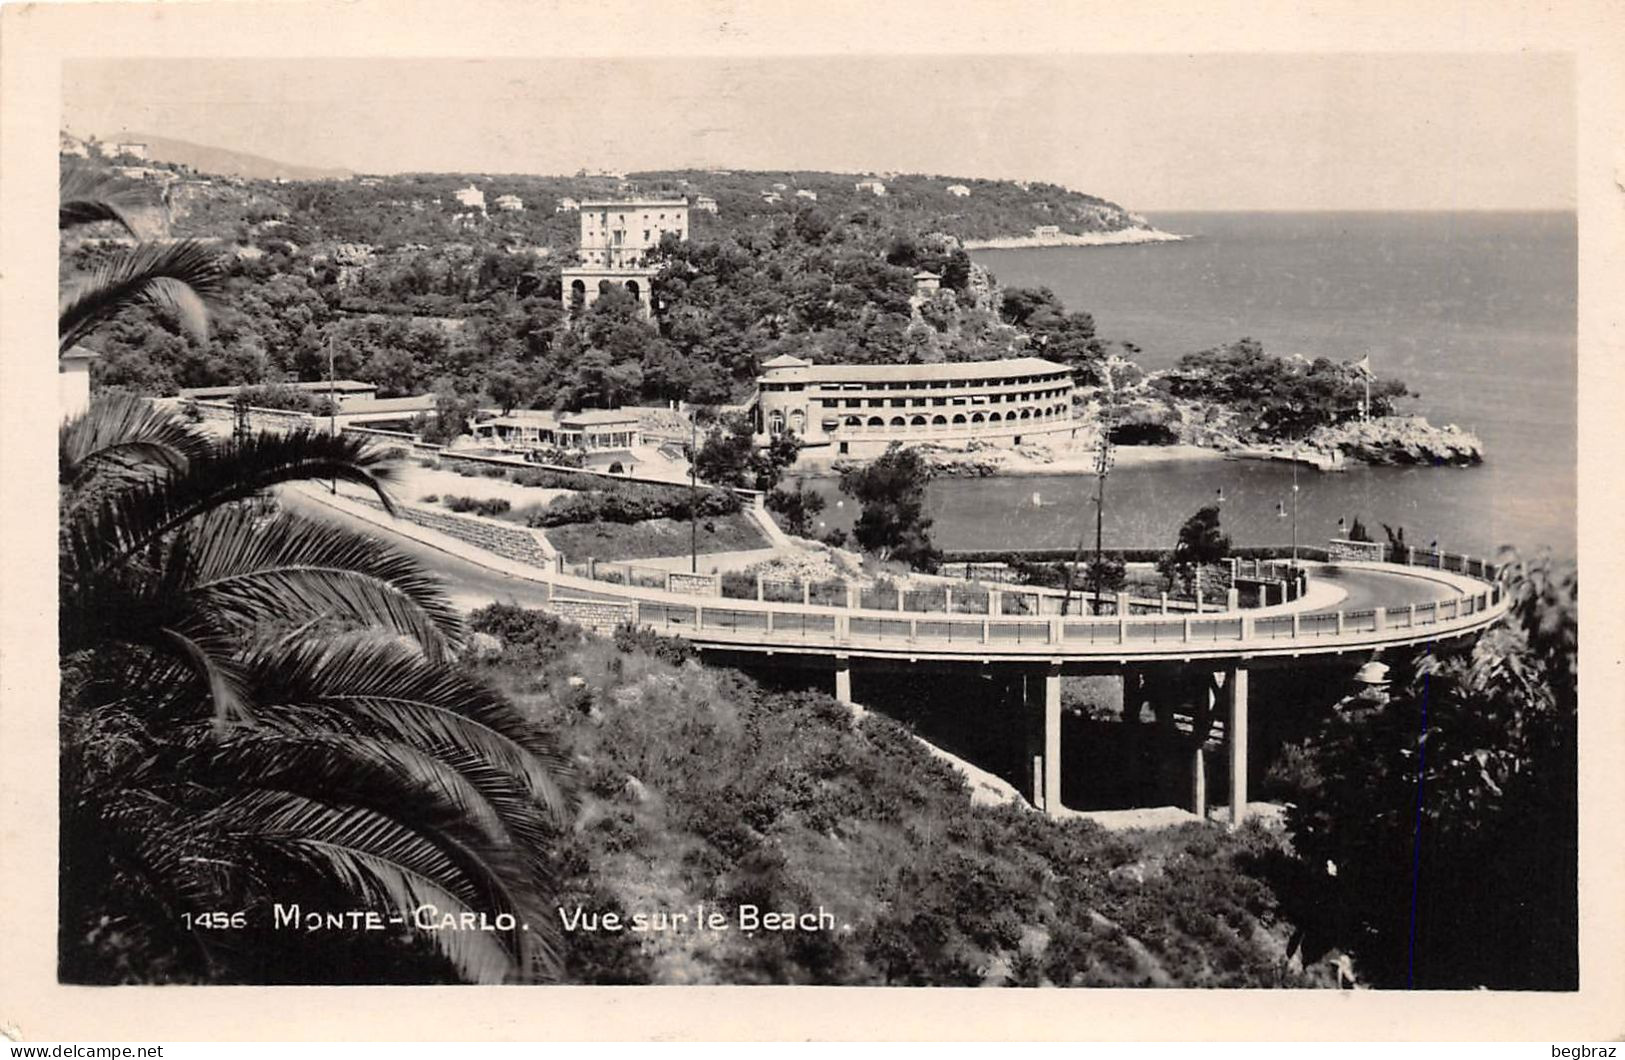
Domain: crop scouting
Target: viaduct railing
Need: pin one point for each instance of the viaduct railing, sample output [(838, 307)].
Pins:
[(769, 626)]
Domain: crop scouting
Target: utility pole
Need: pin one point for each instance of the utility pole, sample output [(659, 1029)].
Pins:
[(1103, 467), (693, 497), (332, 407)]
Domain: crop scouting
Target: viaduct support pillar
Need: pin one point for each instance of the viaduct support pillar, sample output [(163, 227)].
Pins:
[(1235, 731), (1201, 726), (843, 679), (1052, 738)]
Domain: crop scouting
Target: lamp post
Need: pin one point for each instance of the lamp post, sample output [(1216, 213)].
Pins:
[(1281, 512)]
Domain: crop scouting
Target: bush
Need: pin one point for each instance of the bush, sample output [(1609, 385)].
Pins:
[(558, 456), (617, 468), (528, 637), (633, 502), (490, 506), (283, 396), (674, 650), (430, 498)]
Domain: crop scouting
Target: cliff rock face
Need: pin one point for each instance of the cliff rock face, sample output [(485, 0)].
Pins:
[(1402, 440)]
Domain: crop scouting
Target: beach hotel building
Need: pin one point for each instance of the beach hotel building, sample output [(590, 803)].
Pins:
[(860, 409)]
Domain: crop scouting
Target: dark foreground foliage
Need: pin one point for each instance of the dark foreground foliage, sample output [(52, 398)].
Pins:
[(702, 787), (1437, 831)]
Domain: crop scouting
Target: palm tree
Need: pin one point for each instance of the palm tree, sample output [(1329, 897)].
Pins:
[(257, 712), (178, 277)]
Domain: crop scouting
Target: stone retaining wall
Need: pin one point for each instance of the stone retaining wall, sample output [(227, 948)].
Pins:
[(258, 418), (511, 542), (1339, 549), (600, 616)]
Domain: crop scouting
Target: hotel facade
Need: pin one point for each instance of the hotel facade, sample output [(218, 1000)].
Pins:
[(616, 238), (859, 410)]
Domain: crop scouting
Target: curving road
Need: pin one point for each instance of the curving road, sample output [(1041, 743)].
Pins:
[(1369, 606)]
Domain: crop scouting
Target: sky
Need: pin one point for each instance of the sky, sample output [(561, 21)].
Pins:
[(1251, 131)]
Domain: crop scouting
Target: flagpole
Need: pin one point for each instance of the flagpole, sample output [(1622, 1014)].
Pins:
[(1365, 410)]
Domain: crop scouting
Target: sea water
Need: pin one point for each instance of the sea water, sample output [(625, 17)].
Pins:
[(1475, 311)]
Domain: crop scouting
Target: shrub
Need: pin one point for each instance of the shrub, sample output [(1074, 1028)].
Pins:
[(674, 650), (558, 456), (617, 468), (490, 506), (633, 502), (283, 396), (430, 498), (528, 637)]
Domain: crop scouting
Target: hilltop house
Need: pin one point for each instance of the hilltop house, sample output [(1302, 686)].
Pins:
[(471, 197), (511, 203), (958, 191), (566, 204), (706, 203), (874, 187), (616, 237)]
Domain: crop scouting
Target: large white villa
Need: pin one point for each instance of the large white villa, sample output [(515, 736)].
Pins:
[(859, 410)]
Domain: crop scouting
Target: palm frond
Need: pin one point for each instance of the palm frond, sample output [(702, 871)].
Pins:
[(227, 688), (87, 194), (125, 433), (249, 571), (178, 277), (99, 538), (368, 683), (396, 867)]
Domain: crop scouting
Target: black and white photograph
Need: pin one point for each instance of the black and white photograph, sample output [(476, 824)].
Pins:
[(849, 518)]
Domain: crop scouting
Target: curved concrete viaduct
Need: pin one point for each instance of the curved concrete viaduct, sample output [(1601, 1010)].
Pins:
[(1354, 609)]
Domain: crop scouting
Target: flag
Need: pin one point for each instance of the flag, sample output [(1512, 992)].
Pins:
[(1364, 364)]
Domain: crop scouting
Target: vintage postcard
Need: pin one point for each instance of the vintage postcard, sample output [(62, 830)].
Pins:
[(871, 503)]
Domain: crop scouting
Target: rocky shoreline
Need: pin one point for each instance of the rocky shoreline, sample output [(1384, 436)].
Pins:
[(1402, 441), (1121, 237)]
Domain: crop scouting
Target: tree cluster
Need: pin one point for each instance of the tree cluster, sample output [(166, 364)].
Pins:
[(1279, 398), (1436, 827)]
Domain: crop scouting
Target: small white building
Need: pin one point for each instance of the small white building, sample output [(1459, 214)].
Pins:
[(1046, 231), (873, 187), (706, 203), (958, 191), (510, 203), (471, 196), (926, 283), (134, 150), (73, 381), (803, 193), (567, 204)]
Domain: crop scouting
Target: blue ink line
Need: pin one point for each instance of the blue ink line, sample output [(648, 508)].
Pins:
[(1416, 838)]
